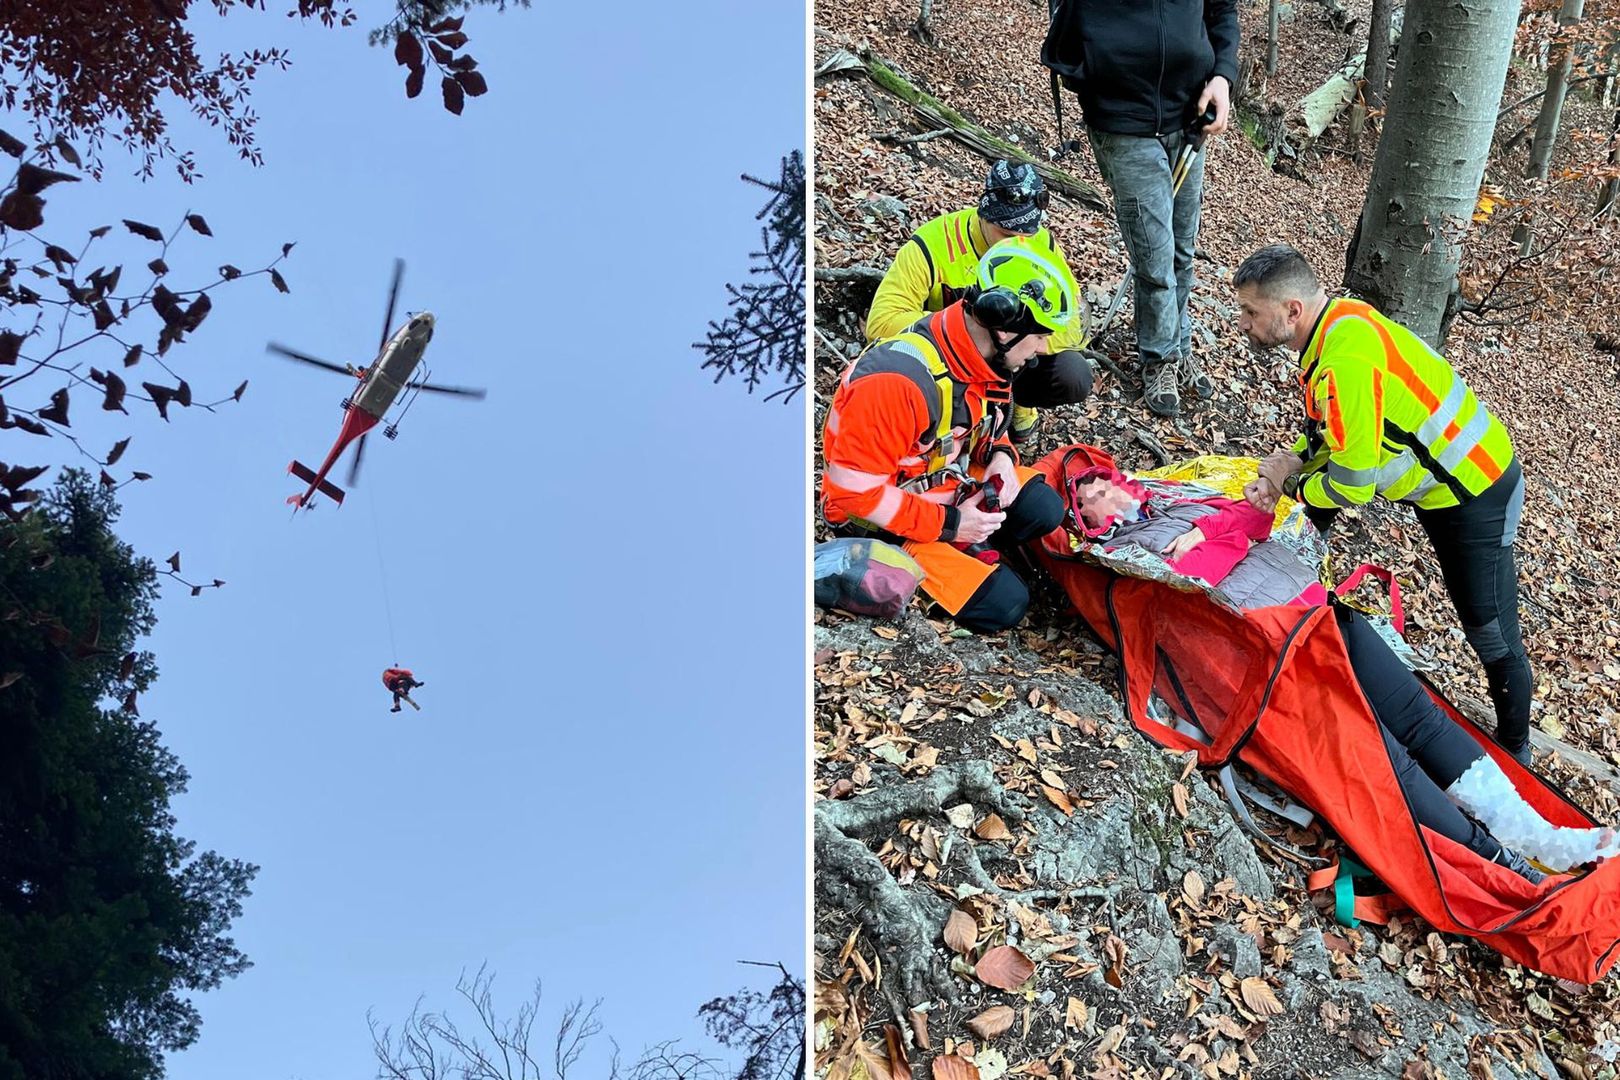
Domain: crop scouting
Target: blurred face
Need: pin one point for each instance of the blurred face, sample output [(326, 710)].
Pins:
[(1265, 322), (1101, 499)]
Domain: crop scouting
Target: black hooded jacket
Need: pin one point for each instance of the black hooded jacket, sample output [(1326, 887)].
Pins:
[(1139, 66)]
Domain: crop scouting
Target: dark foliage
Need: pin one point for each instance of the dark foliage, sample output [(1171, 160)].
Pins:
[(97, 73), (762, 339), (75, 323), (108, 920)]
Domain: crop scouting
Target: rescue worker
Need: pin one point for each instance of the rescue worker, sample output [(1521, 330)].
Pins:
[(1387, 416), (400, 683), (941, 261), (917, 435)]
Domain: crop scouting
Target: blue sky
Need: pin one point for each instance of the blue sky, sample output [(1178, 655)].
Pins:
[(598, 571)]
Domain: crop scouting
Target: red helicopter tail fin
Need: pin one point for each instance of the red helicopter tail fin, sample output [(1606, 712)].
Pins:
[(317, 483)]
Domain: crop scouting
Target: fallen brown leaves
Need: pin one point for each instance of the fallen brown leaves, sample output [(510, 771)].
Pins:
[(993, 1021), (961, 932), (1004, 967)]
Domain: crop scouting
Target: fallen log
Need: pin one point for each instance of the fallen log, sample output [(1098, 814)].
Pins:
[(1317, 110), (936, 115)]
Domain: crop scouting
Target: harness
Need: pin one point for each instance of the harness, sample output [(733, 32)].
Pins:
[(944, 458)]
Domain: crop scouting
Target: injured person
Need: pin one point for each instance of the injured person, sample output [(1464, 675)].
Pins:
[(1452, 785)]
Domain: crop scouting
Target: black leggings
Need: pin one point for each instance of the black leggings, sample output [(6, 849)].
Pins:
[(1063, 378), (1429, 751), (1474, 545)]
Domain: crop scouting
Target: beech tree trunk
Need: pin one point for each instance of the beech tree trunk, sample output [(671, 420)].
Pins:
[(1611, 188), (1552, 106), (1431, 158), (1376, 73), (1552, 111)]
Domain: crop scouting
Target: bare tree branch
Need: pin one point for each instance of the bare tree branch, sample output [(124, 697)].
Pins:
[(767, 1027)]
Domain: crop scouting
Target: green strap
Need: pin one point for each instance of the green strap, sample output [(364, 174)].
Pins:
[(1344, 891)]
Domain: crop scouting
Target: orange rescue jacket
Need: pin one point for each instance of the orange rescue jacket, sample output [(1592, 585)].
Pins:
[(909, 416)]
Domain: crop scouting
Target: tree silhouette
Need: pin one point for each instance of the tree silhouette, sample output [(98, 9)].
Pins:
[(768, 1027), (763, 335), (109, 922), (73, 328)]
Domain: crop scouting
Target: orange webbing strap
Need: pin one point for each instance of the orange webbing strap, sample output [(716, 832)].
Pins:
[(1349, 908)]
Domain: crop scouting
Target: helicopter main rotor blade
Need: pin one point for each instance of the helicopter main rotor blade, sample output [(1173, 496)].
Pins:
[(303, 357), (393, 295), (476, 392), (354, 466)]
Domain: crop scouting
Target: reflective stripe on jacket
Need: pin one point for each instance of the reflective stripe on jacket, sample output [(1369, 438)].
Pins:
[(938, 263), (1386, 415), (908, 417)]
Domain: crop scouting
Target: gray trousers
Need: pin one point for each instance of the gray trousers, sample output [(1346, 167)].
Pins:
[(1160, 233)]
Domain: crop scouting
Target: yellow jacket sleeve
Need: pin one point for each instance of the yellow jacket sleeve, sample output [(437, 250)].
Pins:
[(902, 295), (1348, 393)]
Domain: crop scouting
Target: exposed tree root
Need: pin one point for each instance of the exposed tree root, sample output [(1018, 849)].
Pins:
[(850, 876), (970, 781)]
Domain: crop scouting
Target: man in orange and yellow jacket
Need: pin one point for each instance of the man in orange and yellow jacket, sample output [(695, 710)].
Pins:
[(916, 445), (1387, 416)]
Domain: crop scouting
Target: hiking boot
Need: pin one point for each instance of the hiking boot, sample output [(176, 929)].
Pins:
[(1191, 371), (1520, 865), (1025, 422), (1159, 388)]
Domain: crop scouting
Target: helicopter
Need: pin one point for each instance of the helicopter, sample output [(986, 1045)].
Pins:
[(380, 384)]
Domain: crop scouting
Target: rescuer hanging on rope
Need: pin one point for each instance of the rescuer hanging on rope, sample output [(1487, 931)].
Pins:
[(400, 683)]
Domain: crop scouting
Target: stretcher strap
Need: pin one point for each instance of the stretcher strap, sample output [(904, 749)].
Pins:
[(1349, 908), (1396, 610)]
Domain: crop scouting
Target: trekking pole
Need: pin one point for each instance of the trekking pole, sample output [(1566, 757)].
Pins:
[(1190, 149)]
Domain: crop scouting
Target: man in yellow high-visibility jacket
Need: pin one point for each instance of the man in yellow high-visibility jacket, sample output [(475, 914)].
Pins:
[(1387, 416), (941, 261)]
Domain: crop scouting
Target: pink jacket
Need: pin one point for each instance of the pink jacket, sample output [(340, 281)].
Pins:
[(1230, 527)]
